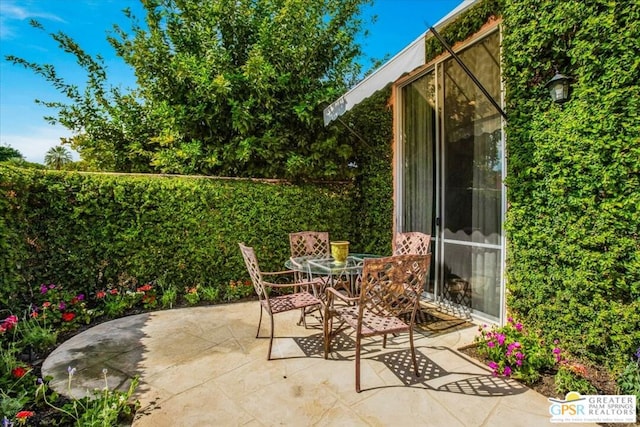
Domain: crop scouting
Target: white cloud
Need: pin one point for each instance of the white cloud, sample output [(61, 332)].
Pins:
[(9, 11), (34, 142)]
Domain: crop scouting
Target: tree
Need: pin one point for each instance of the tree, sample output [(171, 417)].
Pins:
[(56, 157), (7, 153), (225, 87)]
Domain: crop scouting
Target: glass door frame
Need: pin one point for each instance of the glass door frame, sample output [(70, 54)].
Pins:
[(437, 239)]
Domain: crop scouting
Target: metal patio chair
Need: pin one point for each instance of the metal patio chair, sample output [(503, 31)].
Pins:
[(299, 299), (412, 242), (390, 286)]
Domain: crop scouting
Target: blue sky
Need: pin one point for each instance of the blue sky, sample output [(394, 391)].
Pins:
[(22, 123)]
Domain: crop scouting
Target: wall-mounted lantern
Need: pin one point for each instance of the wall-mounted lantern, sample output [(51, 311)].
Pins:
[(559, 88)]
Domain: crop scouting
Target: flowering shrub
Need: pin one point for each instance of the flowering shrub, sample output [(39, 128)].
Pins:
[(239, 289), (117, 300), (515, 352), (572, 376), (59, 308)]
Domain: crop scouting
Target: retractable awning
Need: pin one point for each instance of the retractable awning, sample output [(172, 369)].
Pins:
[(408, 59)]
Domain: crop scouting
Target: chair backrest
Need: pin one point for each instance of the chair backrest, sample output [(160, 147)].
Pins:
[(253, 268), (305, 243), (414, 243), (393, 285)]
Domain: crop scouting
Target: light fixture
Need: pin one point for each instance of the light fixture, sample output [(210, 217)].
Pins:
[(559, 88)]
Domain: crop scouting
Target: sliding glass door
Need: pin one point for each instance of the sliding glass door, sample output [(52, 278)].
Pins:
[(451, 177), (418, 161)]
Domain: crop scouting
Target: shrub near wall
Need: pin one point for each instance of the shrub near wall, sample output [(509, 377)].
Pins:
[(372, 121), (87, 231), (574, 174)]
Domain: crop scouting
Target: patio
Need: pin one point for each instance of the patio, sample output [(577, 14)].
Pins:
[(203, 366)]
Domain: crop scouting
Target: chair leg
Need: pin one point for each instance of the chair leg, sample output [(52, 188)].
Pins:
[(327, 332), (271, 338), (259, 322), (384, 341), (413, 353), (358, 363)]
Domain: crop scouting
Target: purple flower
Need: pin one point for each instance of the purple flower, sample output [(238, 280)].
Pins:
[(80, 297), (519, 356), (518, 327), (493, 365), (500, 338), (62, 305), (519, 362), (43, 289), (6, 423), (638, 354), (557, 350), (510, 319), (491, 344), (52, 286), (507, 371)]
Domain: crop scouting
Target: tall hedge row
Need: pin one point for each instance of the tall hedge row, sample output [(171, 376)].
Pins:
[(86, 231), (574, 173)]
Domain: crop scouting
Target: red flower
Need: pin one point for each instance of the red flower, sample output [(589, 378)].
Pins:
[(113, 291), (148, 299), (46, 304), (68, 317), (145, 288), (23, 415), (101, 294), (74, 300), (19, 372)]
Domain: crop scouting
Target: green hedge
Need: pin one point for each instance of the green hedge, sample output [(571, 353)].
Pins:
[(574, 174), (371, 132), (86, 231)]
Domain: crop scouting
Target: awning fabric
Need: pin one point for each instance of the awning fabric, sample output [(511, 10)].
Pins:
[(410, 58)]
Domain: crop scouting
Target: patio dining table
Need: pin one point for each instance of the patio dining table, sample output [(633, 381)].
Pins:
[(344, 276)]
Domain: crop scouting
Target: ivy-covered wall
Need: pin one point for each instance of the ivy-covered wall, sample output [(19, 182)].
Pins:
[(573, 184), (86, 231), (370, 129), (573, 181)]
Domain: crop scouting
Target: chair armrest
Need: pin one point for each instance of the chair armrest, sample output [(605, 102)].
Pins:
[(277, 273), (332, 293)]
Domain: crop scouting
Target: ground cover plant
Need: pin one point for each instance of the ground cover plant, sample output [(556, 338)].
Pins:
[(54, 315)]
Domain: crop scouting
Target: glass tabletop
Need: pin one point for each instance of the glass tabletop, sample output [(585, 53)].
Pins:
[(328, 266)]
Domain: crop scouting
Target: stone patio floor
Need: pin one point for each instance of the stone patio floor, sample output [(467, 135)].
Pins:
[(203, 366)]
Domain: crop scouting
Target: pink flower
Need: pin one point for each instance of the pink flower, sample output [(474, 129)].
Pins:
[(500, 338), (518, 327), (9, 323), (507, 371)]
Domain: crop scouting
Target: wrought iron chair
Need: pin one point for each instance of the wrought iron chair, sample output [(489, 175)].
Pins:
[(300, 299), (312, 244), (305, 243), (390, 286), (412, 242)]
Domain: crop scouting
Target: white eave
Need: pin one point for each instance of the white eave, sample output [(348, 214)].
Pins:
[(408, 59)]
